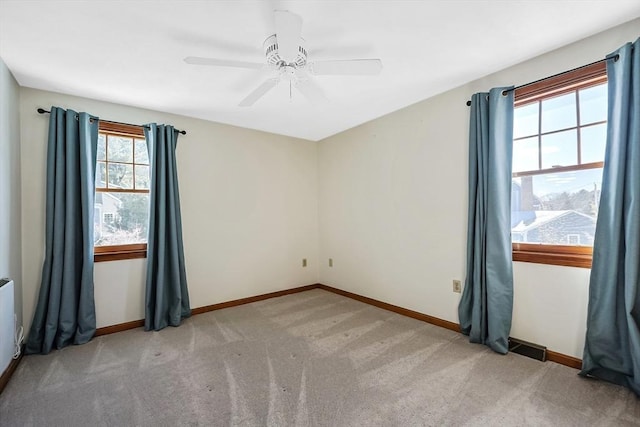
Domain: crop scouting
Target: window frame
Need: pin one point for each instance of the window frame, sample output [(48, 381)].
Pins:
[(580, 78), (131, 250)]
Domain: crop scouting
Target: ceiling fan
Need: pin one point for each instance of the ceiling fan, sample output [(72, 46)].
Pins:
[(287, 59)]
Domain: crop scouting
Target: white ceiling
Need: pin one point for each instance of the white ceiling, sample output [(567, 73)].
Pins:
[(131, 52)]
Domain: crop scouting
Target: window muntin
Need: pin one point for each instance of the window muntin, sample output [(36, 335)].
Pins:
[(122, 193), (558, 155)]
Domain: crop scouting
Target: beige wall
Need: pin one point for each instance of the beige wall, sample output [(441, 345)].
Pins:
[(10, 237), (249, 210), (393, 206)]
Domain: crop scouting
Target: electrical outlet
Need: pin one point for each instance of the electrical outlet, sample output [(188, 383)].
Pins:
[(304, 262), (457, 286), (330, 262)]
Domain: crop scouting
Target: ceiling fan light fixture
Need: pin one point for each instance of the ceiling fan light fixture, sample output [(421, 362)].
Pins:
[(272, 54)]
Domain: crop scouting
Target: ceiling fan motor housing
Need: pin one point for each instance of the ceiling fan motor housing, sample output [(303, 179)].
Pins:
[(273, 57)]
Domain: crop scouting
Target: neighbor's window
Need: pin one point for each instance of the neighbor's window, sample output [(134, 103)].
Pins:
[(559, 136), (122, 193)]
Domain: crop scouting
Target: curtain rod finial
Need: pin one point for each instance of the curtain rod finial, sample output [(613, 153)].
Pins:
[(42, 110), (468, 103)]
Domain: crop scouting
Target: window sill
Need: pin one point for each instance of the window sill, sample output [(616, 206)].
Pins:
[(569, 256), (117, 253)]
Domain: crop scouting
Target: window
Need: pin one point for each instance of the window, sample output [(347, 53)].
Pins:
[(122, 193), (559, 137)]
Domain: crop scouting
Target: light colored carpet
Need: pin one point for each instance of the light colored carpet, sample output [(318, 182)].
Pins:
[(308, 359)]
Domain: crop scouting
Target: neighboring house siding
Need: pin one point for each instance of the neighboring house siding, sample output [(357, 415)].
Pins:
[(565, 230), (554, 227), (106, 211)]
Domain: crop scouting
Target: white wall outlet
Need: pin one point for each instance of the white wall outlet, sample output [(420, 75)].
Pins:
[(457, 286)]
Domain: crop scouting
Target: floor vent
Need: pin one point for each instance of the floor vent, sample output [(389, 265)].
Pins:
[(528, 349)]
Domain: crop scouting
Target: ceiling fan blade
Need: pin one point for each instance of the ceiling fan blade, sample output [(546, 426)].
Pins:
[(258, 92), (288, 30), (346, 67), (196, 60), (310, 90)]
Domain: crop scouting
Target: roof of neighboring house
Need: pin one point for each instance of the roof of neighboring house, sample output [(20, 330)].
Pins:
[(544, 217)]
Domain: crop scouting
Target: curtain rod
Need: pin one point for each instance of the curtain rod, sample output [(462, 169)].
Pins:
[(183, 132), (615, 58)]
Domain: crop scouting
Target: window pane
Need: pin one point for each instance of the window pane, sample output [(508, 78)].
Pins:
[(101, 172), (142, 177), (593, 104), (556, 208), (120, 149), (560, 149), (592, 142), (525, 154), (121, 218), (559, 112), (142, 156), (525, 120), (120, 175), (102, 146)]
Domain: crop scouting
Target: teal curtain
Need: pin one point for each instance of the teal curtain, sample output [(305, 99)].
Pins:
[(486, 305), (612, 347), (65, 311), (166, 294)]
